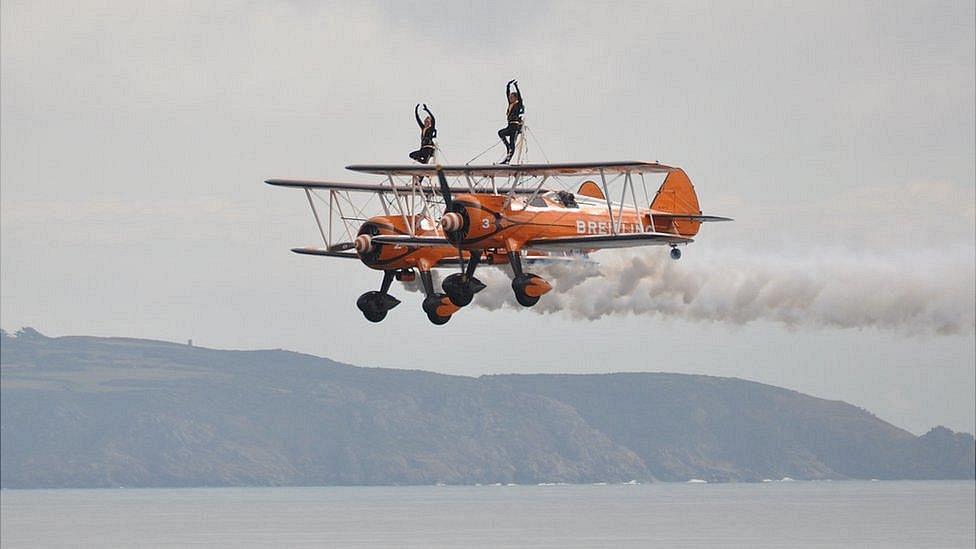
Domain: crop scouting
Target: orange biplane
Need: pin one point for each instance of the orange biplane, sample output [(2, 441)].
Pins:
[(424, 226)]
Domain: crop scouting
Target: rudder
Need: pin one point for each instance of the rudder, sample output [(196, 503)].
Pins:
[(676, 197)]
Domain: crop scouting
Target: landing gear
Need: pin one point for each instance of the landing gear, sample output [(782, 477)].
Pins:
[(520, 285), (528, 287), (375, 305), (675, 253), (438, 307), (461, 287)]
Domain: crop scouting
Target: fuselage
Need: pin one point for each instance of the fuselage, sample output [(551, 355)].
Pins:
[(492, 221)]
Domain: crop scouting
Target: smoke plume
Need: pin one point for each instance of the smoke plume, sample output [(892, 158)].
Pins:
[(929, 295)]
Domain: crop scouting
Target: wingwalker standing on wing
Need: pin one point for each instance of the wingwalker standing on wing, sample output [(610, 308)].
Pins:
[(514, 114), (428, 131)]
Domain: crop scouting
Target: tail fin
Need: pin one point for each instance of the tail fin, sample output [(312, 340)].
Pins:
[(675, 205)]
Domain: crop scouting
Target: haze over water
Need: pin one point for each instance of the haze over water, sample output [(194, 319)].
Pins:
[(779, 514)]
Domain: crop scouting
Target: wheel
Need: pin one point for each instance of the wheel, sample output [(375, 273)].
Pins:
[(525, 300), (521, 285), (461, 297), (374, 316), (375, 305), (438, 320), (675, 254), (458, 290), (436, 304)]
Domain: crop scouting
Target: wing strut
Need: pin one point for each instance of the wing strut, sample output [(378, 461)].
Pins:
[(606, 193), (315, 212)]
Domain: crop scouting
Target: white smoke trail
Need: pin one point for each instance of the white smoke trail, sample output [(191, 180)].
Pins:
[(933, 295)]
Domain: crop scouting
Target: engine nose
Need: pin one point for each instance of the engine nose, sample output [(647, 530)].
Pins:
[(363, 244), (452, 222)]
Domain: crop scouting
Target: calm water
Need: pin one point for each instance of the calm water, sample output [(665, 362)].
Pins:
[(783, 514)]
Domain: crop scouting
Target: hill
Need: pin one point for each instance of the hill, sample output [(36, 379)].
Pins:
[(101, 412)]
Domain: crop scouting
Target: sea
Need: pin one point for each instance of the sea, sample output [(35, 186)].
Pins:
[(697, 514)]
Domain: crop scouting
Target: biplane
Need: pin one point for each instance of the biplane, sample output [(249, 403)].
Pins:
[(515, 215)]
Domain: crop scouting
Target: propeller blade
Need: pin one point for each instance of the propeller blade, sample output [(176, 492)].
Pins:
[(445, 189), (446, 194)]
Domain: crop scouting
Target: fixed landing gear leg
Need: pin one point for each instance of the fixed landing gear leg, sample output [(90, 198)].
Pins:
[(515, 260), (388, 277), (437, 306), (428, 284), (473, 263)]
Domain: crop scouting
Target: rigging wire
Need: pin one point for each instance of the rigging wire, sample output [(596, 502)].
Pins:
[(538, 144), (482, 153), (522, 147), (440, 155)]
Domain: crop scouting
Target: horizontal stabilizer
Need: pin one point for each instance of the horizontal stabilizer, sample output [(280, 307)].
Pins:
[(690, 217)]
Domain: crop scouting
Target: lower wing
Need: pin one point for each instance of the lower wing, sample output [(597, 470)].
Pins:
[(604, 241)]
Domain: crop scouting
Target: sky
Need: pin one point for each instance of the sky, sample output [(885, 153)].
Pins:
[(135, 139)]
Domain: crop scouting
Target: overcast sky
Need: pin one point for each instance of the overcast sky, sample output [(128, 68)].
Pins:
[(136, 136)]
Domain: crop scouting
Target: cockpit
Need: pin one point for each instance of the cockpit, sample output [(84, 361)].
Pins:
[(555, 199)]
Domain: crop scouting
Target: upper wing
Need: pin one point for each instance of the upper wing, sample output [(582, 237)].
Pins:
[(601, 241), (383, 187), (507, 170)]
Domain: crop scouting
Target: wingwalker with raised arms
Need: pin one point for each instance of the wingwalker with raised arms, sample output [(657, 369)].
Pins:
[(495, 215)]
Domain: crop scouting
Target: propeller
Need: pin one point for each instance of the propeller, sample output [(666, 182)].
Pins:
[(452, 222), (462, 286)]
